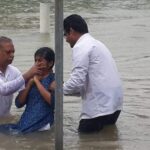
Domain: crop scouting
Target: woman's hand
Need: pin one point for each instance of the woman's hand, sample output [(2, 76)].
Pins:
[(37, 78), (30, 82)]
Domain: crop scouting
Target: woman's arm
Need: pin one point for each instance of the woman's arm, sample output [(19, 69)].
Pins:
[(45, 93), (22, 96)]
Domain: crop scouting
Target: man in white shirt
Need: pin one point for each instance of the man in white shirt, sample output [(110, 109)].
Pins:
[(94, 76), (11, 79)]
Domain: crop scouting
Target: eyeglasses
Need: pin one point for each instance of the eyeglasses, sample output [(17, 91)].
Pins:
[(66, 33), (9, 52)]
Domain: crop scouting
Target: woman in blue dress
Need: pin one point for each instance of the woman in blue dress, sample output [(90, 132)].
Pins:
[(37, 96)]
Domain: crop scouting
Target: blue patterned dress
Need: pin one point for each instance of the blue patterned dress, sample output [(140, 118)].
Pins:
[(37, 113)]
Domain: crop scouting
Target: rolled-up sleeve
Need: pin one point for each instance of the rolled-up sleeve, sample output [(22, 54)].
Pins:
[(10, 87)]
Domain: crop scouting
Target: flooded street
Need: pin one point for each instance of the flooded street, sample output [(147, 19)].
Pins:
[(124, 27)]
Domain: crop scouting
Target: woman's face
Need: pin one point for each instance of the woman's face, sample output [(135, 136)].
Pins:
[(42, 63)]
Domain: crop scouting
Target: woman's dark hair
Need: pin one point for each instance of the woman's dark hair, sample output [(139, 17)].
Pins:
[(75, 22), (46, 53)]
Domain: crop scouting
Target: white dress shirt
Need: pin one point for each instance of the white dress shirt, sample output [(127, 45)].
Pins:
[(95, 76), (10, 82)]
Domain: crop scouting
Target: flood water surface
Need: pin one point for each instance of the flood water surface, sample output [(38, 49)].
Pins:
[(124, 26)]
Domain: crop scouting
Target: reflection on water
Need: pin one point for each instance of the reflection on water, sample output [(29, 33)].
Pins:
[(124, 26), (107, 139), (34, 141)]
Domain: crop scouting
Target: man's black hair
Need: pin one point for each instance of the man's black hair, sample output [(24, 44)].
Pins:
[(76, 22)]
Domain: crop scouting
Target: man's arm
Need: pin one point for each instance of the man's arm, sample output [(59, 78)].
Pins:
[(79, 72), (10, 87)]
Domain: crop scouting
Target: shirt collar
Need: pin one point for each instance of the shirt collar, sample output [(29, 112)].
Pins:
[(82, 37), (6, 72)]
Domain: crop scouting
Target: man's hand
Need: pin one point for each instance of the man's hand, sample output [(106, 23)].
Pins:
[(34, 70)]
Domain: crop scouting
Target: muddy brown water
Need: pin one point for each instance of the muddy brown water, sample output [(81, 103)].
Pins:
[(124, 26)]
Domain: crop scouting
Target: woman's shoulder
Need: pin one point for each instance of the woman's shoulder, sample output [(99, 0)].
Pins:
[(49, 79), (51, 76)]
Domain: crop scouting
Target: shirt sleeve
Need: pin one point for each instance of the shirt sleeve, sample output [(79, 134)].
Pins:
[(9, 87), (79, 72)]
